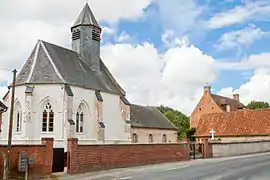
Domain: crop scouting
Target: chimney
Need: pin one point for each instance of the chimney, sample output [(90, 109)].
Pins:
[(207, 89), (236, 97)]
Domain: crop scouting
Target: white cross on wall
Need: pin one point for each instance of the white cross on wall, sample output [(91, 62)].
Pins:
[(212, 132)]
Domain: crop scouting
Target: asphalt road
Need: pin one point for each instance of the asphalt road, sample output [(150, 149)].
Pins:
[(251, 167)]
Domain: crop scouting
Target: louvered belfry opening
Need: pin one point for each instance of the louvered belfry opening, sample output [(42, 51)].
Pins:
[(76, 34), (96, 35)]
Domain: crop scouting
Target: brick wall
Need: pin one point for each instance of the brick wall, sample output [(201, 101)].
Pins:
[(84, 158), (43, 154)]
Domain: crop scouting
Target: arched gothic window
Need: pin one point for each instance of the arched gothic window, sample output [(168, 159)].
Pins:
[(79, 121), (47, 118), (18, 121), (134, 138), (18, 118)]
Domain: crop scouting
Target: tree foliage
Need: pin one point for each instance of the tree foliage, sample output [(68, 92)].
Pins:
[(180, 120), (257, 105)]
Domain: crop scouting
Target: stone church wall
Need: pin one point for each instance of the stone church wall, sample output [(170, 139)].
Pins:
[(31, 127), (32, 107), (84, 158)]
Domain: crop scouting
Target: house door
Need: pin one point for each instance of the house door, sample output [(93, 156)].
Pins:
[(58, 160)]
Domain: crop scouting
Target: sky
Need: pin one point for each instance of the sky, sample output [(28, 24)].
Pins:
[(160, 52)]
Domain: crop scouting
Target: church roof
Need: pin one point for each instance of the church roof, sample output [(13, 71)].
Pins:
[(237, 123), (149, 117), (52, 64), (86, 17)]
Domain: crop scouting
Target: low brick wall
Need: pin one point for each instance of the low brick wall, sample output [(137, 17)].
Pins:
[(84, 158), (223, 149), (43, 154)]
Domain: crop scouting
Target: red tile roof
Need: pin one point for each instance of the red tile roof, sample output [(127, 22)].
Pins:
[(241, 123), (221, 101)]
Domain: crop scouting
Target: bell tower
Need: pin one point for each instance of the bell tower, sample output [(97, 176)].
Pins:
[(86, 38)]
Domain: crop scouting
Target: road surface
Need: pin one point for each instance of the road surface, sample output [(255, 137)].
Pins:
[(250, 167)]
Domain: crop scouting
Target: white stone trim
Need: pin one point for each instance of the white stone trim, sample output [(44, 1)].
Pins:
[(34, 62), (54, 67)]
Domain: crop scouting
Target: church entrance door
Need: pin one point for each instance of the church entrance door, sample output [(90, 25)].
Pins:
[(58, 160)]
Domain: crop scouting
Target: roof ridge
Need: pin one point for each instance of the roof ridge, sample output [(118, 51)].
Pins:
[(34, 61), (51, 44), (52, 63), (223, 96)]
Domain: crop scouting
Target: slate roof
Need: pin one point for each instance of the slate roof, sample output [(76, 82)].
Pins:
[(149, 117), (221, 101), (242, 123), (52, 64), (3, 107), (86, 17)]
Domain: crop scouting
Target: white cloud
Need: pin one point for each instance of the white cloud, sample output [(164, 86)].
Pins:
[(170, 39), (181, 15), (109, 30), (252, 62), (239, 38), (51, 21), (250, 10), (174, 78), (124, 38), (104, 10), (257, 88)]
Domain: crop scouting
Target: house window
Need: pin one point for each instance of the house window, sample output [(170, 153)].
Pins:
[(164, 138), (200, 109), (79, 122), (212, 108), (134, 138), (18, 122), (48, 119), (150, 138)]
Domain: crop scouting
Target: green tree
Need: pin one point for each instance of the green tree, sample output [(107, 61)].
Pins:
[(180, 120), (257, 105), (191, 132)]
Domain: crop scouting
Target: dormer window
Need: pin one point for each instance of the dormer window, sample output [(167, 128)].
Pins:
[(76, 34), (96, 35)]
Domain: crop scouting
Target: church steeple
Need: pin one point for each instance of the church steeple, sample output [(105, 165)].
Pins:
[(86, 38), (86, 17)]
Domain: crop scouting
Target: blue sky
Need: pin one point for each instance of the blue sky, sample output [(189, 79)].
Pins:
[(151, 26), (161, 52)]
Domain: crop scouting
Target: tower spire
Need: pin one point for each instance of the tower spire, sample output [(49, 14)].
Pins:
[(86, 17), (86, 38)]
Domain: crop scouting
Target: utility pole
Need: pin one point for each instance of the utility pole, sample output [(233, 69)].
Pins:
[(10, 124)]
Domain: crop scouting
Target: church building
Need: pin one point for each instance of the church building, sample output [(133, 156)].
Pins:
[(63, 93)]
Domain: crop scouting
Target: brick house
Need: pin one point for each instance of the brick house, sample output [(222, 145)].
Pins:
[(236, 126), (212, 103)]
